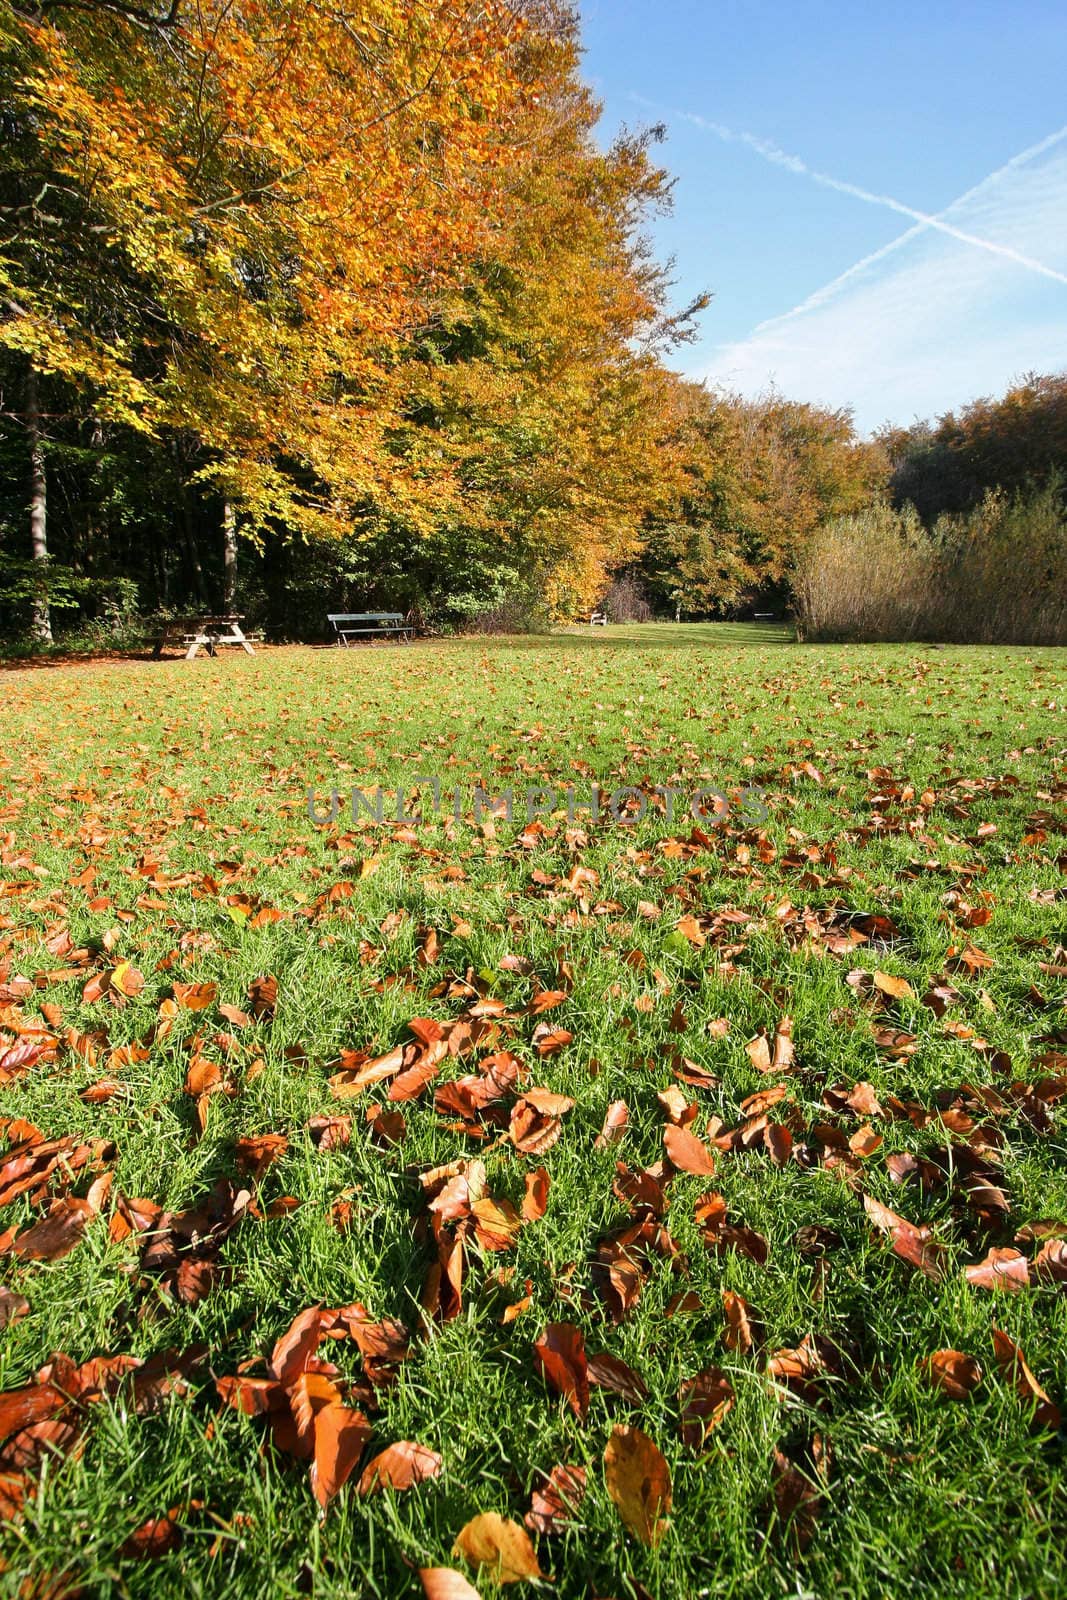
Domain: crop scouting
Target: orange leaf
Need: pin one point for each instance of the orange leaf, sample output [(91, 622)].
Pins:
[(639, 1482), (688, 1153), (398, 1466), (954, 1373), (196, 996), (560, 1356), (340, 1435), (445, 1583), (504, 1547)]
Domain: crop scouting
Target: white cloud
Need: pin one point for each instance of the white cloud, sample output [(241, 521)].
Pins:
[(932, 319)]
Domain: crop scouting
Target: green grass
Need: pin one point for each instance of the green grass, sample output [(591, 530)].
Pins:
[(203, 768)]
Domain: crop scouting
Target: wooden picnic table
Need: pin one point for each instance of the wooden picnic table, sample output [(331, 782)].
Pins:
[(201, 631)]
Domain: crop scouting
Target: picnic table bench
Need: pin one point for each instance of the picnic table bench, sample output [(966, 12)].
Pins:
[(201, 632), (348, 624)]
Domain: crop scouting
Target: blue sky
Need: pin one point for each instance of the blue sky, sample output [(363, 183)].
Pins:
[(926, 105)]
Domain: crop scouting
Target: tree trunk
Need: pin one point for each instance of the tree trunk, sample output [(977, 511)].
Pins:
[(229, 555), (41, 621)]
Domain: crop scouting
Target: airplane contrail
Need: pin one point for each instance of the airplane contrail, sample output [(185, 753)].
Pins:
[(819, 296), (924, 219)]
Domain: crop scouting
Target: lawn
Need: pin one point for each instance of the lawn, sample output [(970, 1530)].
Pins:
[(737, 1101)]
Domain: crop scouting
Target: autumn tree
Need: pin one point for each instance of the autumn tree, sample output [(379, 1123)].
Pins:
[(539, 384), (759, 477), (1015, 443), (219, 222)]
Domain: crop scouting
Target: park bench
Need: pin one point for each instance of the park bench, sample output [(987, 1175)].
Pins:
[(201, 632), (348, 624), (598, 619)]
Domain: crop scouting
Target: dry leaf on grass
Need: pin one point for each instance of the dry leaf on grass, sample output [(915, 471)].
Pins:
[(560, 1356), (638, 1480), (445, 1583), (953, 1373), (399, 1466), (503, 1547)]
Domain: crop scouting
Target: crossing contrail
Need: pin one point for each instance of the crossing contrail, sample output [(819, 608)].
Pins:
[(923, 219), (819, 296)]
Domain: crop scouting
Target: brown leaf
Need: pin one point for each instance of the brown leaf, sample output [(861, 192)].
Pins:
[(797, 1498), (496, 1223), (154, 1538), (610, 1372), (953, 1372), (1050, 1263), (340, 1434), (33, 1403), (13, 1490), (779, 1142), (254, 1397), (688, 1153), (553, 1506), (559, 1355), (56, 1235), (1013, 1368), (895, 988), (535, 1200), (399, 1466), (263, 994), (639, 1482), (549, 1041), (704, 1401), (503, 1547), (912, 1244), (533, 1131), (196, 996), (445, 1583), (1001, 1269), (546, 1000), (297, 1345), (615, 1123), (739, 1335), (330, 1133), (256, 1153), (12, 1306)]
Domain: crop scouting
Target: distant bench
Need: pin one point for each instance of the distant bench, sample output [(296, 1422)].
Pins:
[(349, 624), (598, 619)]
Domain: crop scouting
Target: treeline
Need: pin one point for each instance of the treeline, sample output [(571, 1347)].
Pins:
[(305, 308), (969, 543)]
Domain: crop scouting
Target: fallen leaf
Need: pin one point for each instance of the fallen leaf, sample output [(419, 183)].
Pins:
[(895, 988), (739, 1335), (503, 1547), (1013, 1367), (638, 1480), (1001, 1269), (616, 1120), (705, 1401), (154, 1538), (953, 1372), (554, 1505), (686, 1152), (535, 1200), (560, 1357), (340, 1435), (399, 1466), (196, 996), (912, 1244), (445, 1583)]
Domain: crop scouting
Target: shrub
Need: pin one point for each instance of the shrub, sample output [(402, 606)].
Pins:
[(994, 575), (626, 601)]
